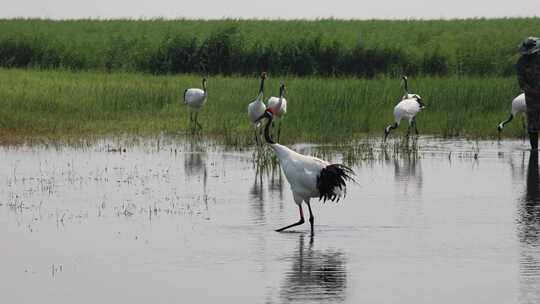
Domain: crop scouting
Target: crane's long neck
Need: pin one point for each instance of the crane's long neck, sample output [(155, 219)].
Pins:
[(405, 85), (204, 85), (503, 123), (280, 101), (267, 131), (261, 89)]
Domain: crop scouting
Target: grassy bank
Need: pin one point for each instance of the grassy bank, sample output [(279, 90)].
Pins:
[(474, 47), (60, 103)]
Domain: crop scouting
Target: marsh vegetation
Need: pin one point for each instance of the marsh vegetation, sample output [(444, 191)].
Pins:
[(63, 103), (472, 47)]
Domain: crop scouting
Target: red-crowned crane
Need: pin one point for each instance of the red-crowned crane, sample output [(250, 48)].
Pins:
[(195, 98), (308, 176), (279, 109), (518, 106), (257, 107), (407, 108)]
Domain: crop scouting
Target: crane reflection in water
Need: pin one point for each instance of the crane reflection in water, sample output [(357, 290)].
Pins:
[(315, 275)]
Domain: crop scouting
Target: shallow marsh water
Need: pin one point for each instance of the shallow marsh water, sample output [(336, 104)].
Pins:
[(185, 220)]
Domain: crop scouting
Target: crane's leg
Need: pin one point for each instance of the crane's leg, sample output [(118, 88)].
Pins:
[(193, 121), (301, 221), (524, 124), (311, 217), (197, 121), (279, 129), (261, 135), (272, 128), (388, 129), (256, 134), (414, 124)]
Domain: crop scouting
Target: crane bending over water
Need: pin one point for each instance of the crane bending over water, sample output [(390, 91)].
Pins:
[(518, 106), (407, 108)]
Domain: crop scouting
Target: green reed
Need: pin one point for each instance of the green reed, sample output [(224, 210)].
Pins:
[(63, 103), (287, 47)]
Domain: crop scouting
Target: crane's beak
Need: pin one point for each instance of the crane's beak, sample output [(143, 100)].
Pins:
[(267, 114)]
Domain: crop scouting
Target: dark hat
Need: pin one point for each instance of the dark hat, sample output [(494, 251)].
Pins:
[(529, 46)]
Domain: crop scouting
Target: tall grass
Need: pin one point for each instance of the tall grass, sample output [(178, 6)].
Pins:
[(474, 47), (337, 109)]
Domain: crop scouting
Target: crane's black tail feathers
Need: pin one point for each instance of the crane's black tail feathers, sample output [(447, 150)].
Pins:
[(185, 91), (331, 183)]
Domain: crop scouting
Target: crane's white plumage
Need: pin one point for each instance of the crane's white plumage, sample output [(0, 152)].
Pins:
[(518, 106), (406, 109), (279, 109), (308, 176), (257, 107), (195, 98), (300, 170)]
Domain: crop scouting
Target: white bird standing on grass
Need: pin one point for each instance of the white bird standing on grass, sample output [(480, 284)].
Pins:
[(308, 176), (257, 107), (279, 109), (518, 106), (407, 108), (195, 98)]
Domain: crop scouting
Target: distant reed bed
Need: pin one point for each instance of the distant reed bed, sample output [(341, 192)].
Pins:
[(472, 47)]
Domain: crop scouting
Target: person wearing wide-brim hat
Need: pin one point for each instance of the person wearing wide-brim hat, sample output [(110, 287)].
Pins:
[(528, 70)]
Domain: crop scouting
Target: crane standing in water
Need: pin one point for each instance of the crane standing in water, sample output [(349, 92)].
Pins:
[(407, 108), (308, 176)]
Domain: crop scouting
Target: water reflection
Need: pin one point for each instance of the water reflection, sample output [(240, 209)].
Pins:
[(518, 168), (408, 173), (257, 192), (275, 185), (529, 221), (194, 163), (256, 197), (316, 276), (529, 232)]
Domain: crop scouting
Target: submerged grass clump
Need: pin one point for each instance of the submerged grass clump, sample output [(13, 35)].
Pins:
[(63, 103)]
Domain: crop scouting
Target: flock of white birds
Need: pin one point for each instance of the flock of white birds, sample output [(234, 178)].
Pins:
[(311, 177)]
